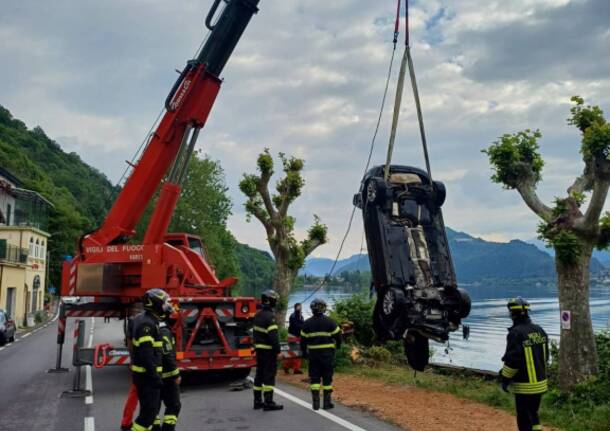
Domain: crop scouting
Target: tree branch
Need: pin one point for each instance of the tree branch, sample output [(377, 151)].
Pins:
[(309, 245), (590, 220), (263, 190), (527, 190)]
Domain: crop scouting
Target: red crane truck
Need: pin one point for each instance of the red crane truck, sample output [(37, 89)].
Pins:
[(213, 331)]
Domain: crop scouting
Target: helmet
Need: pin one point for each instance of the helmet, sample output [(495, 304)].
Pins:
[(270, 298), (318, 306), (157, 301), (518, 306)]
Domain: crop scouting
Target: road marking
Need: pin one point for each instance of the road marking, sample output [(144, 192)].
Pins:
[(2, 348), (88, 376), (89, 423), (26, 335), (333, 418)]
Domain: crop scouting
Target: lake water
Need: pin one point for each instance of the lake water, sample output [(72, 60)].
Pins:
[(489, 320)]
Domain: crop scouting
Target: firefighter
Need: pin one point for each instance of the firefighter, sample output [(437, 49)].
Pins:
[(170, 392), (295, 324), (525, 365), (320, 337), (147, 356), (267, 345)]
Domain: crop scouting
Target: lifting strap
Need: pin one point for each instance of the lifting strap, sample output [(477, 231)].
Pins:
[(407, 61)]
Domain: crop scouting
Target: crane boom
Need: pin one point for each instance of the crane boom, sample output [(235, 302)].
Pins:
[(187, 108)]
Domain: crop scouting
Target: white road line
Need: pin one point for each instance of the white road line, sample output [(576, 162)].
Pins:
[(333, 418), (88, 376), (26, 335), (89, 424), (2, 348)]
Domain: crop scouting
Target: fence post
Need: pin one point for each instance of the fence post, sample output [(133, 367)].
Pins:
[(61, 337)]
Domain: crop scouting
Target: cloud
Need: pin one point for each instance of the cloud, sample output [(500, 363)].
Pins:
[(307, 79)]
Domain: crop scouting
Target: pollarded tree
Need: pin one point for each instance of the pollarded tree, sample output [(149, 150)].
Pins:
[(573, 231), (272, 211)]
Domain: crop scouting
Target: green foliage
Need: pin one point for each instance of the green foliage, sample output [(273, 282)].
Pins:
[(587, 406), (265, 163), (568, 246), (358, 309), (515, 158), (596, 141), (257, 269), (379, 354), (318, 231), (583, 116), (80, 194), (342, 357)]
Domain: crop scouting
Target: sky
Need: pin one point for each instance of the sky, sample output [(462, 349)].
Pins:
[(307, 79)]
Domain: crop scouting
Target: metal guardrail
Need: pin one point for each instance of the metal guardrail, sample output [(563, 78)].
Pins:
[(12, 253)]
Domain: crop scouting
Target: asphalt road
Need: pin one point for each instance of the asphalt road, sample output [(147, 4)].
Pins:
[(31, 398)]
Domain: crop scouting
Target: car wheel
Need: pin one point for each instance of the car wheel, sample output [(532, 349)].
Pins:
[(2, 340), (12, 339), (375, 191)]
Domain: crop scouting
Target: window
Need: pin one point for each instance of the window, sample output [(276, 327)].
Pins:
[(31, 249), (37, 249), (8, 214)]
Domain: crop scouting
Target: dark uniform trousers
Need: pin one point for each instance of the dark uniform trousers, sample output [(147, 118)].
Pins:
[(321, 369), (266, 368), (149, 397), (527, 411)]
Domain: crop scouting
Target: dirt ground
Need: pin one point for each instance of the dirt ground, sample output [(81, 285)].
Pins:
[(415, 409)]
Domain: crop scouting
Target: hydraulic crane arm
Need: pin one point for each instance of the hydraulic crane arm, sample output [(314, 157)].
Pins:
[(187, 108)]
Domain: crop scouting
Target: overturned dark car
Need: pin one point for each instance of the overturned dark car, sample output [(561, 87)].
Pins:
[(412, 271)]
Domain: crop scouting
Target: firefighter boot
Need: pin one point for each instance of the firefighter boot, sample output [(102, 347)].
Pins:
[(315, 399), (328, 402), (258, 400), (270, 405)]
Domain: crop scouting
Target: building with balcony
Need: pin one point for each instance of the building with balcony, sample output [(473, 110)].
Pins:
[(23, 248)]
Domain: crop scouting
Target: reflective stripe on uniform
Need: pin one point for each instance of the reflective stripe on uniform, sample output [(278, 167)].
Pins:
[(537, 428), (327, 388), (519, 307), (157, 421), (531, 366), (137, 427), (138, 369), (530, 388), (263, 346), (267, 388), (509, 372), (257, 388), (146, 339), (266, 330), (322, 346), (170, 419), (320, 334), (315, 387), (169, 374)]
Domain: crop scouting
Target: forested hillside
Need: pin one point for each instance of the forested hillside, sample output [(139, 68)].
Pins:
[(79, 193), (82, 196)]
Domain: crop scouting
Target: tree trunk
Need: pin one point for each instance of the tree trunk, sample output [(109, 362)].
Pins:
[(577, 352), (282, 284)]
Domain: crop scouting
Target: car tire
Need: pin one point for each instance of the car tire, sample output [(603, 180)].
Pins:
[(12, 339), (375, 191)]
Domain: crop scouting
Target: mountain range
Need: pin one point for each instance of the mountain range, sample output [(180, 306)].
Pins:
[(475, 259)]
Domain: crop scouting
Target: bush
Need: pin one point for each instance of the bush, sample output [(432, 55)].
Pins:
[(379, 354), (39, 316), (342, 357), (358, 309)]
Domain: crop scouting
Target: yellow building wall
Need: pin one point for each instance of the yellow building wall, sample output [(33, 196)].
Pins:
[(13, 277), (21, 276)]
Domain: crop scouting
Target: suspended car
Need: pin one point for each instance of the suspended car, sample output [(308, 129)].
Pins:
[(412, 272)]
